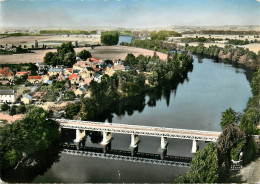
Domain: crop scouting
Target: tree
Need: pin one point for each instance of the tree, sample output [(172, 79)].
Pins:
[(16, 139), (12, 110), (228, 117), (255, 83), (72, 110), (109, 37), (5, 107), (204, 167), (65, 55), (69, 96), (89, 109), (130, 60), (84, 54), (48, 58), (21, 109), (230, 144)]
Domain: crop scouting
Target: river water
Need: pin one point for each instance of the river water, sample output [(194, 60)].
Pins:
[(196, 103)]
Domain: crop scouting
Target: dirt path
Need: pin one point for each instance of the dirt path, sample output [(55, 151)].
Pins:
[(251, 173)]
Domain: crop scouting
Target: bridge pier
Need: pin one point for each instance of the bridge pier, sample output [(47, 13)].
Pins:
[(194, 146), (134, 144), (79, 135), (106, 142), (163, 147)]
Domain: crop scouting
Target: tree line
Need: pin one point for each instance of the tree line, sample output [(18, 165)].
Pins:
[(230, 53), (67, 32), (162, 35)]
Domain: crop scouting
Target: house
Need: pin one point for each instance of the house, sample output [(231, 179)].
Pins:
[(26, 99), (80, 65), (55, 71), (88, 72), (21, 73), (97, 77), (6, 73), (35, 79), (85, 82), (4, 82), (74, 78), (93, 60), (67, 71), (118, 62), (45, 78), (109, 70), (80, 91), (112, 69), (7, 95)]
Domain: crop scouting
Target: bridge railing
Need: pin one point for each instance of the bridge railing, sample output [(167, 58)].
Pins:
[(112, 125)]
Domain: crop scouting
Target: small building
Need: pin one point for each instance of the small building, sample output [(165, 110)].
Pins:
[(80, 65), (97, 77), (7, 95), (74, 79), (88, 72), (35, 79), (45, 78), (55, 71), (80, 91), (93, 60), (26, 99), (6, 73), (21, 73), (110, 70), (67, 71)]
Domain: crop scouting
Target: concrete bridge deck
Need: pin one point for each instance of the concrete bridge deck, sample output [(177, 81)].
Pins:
[(201, 135)]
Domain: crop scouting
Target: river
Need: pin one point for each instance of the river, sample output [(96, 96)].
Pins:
[(197, 103)]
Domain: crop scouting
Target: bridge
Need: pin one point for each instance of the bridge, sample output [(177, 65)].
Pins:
[(135, 131)]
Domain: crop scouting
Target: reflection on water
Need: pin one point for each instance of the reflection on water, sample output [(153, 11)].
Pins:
[(196, 103)]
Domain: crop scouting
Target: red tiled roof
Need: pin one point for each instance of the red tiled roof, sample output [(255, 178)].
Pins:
[(23, 72), (94, 60), (72, 76), (34, 77), (6, 72)]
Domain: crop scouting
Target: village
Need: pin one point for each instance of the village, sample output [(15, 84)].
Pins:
[(75, 80)]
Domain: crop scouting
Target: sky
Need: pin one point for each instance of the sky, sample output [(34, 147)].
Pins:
[(128, 13)]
